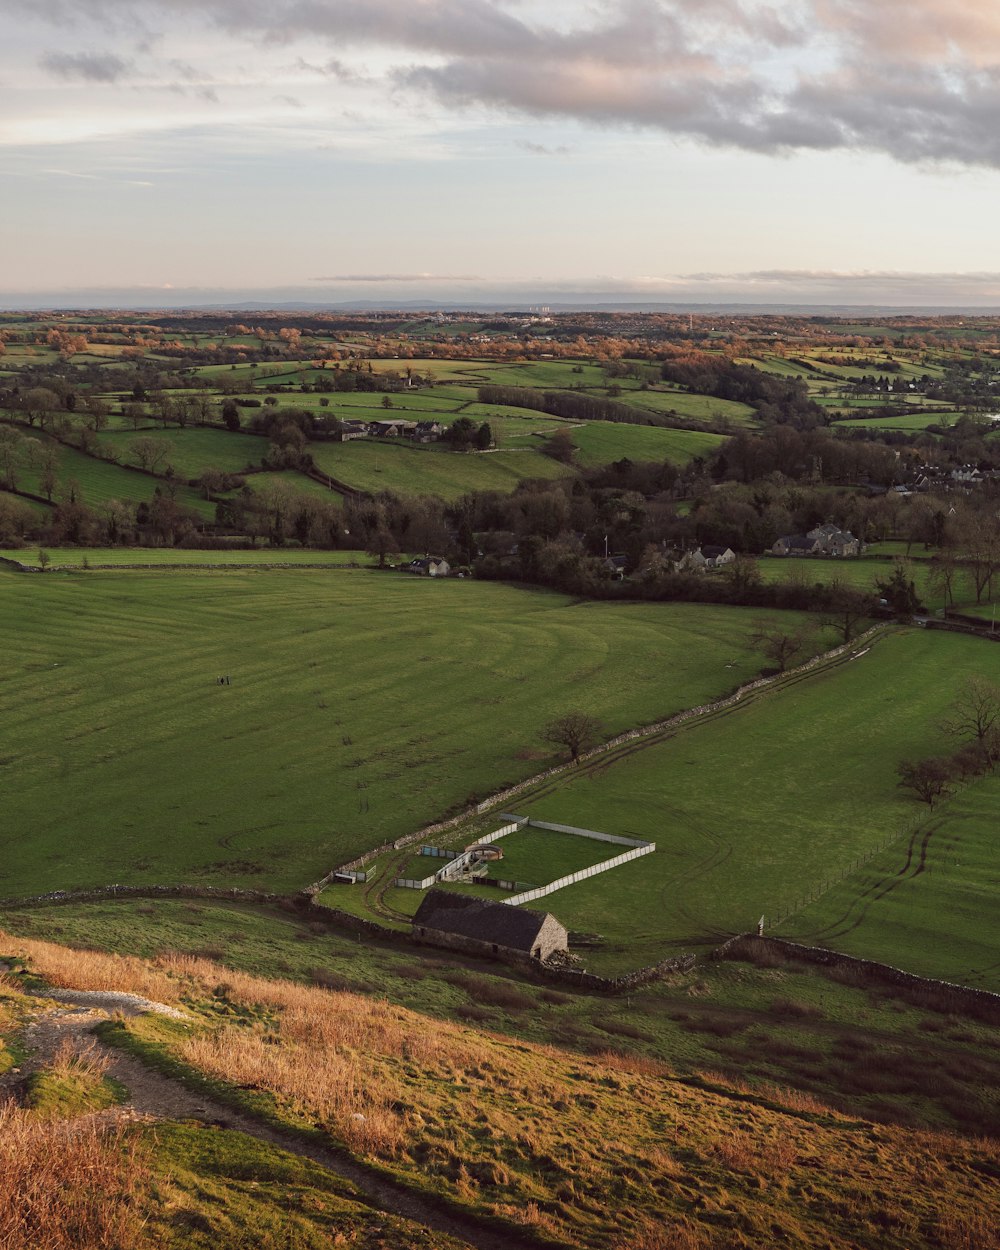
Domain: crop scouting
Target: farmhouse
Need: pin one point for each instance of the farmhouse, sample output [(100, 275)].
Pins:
[(482, 928), (429, 566), (704, 558), (824, 540)]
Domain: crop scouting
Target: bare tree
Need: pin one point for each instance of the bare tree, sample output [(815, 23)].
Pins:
[(11, 456), (780, 643), (930, 779), (148, 453), (975, 713), (573, 730), (848, 609)]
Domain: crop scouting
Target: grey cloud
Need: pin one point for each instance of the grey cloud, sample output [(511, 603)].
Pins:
[(918, 80), (103, 67), (541, 149)]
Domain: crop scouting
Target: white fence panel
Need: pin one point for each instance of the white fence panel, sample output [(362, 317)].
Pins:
[(605, 865), (587, 833)]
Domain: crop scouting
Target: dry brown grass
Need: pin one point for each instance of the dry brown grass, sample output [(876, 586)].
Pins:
[(586, 1150), (67, 1185), (92, 970)]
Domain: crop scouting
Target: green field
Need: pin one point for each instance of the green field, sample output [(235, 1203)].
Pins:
[(415, 470), (927, 902), (294, 481), (600, 442), (694, 407), (100, 480), (863, 573), (132, 557), (754, 809), (910, 422), (192, 451), (362, 706)]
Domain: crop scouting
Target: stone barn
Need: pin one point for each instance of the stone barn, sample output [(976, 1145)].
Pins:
[(479, 927)]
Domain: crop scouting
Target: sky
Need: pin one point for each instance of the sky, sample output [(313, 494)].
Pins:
[(832, 152)]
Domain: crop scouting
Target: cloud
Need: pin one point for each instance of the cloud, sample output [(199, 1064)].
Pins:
[(87, 66), (542, 149), (397, 277), (918, 80)]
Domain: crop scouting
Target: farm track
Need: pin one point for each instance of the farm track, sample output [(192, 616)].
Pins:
[(153, 1096), (878, 890)]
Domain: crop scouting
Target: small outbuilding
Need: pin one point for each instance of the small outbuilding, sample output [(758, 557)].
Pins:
[(478, 927)]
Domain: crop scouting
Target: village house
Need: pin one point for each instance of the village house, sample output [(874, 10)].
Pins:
[(824, 540), (704, 559), (394, 428), (353, 429), (461, 922), (429, 566)]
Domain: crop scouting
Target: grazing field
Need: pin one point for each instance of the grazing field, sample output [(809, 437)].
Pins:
[(100, 480), (754, 809), (926, 903), (292, 480), (602, 443), (863, 574), (410, 470), (694, 407), (909, 422), (131, 557), (191, 451), (362, 706)]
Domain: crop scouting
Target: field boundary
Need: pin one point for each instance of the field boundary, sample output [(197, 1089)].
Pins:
[(952, 997)]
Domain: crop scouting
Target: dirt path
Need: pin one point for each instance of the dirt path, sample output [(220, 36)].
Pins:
[(151, 1095)]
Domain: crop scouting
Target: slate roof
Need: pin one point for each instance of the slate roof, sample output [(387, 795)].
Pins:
[(513, 927)]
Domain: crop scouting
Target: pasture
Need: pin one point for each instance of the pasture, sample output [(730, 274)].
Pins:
[(362, 706), (101, 480), (864, 573), (173, 557), (427, 470), (926, 902), (191, 451), (754, 809)]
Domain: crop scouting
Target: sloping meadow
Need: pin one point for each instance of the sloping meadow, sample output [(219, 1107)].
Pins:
[(596, 1152)]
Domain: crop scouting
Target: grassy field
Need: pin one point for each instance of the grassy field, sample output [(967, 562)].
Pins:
[(131, 557), (293, 480), (362, 706), (410, 470), (602, 443), (926, 901), (753, 810), (685, 404), (910, 422), (99, 481), (863, 574), (192, 451)]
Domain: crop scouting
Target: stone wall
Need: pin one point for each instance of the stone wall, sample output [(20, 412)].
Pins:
[(961, 999)]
